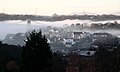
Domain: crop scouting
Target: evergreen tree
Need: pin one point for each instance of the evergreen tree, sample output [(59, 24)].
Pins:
[(0, 43), (37, 55)]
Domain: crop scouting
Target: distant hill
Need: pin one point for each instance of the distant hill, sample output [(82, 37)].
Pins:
[(85, 16)]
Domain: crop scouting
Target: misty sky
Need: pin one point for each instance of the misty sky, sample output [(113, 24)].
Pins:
[(48, 7)]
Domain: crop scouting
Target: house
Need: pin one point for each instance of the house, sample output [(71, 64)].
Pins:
[(54, 33), (96, 36), (68, 42), (78, 35), (101, 34)]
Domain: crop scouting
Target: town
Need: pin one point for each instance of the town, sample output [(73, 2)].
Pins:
[(76, 38)]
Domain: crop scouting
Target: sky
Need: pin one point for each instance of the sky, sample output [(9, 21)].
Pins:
[(49, 7)]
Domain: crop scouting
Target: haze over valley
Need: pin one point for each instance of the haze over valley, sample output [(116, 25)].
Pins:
[(59, 35)]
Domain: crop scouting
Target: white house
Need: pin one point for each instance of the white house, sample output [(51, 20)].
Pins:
[(68, 42)]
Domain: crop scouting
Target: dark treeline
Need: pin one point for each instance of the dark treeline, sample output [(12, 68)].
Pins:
[(36, 56), (56, 17), (10, 60), (9, 53)]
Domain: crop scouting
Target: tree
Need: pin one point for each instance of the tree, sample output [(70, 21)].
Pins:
[(0, 43), (117, 59), (37, 55), (104, 60), (9, 53), (59, 62)]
